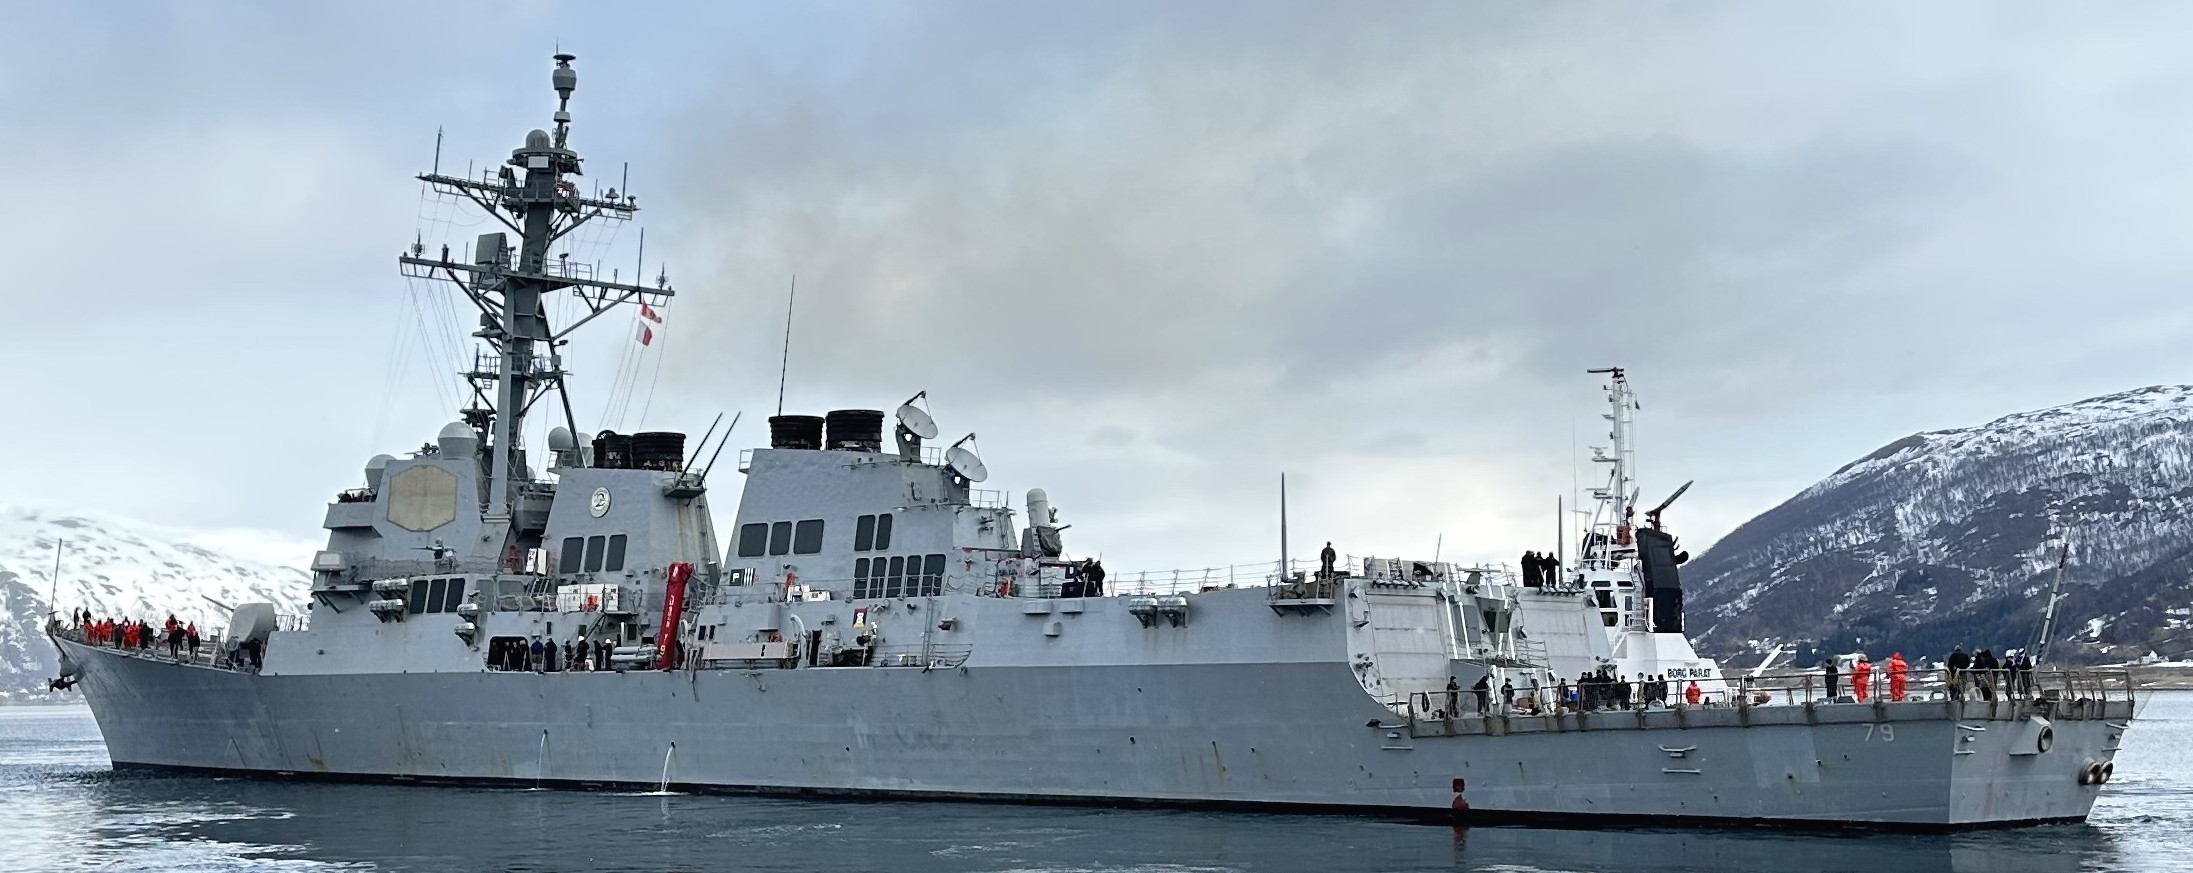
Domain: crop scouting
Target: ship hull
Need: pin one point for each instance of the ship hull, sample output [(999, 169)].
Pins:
[(1292, 736)]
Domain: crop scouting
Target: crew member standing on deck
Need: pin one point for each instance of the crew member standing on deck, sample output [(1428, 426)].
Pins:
[(1827, 671), (1896, 669), (1483, 691), (1861, 675), (1325, 561), (1986, 670), (1958, 663)]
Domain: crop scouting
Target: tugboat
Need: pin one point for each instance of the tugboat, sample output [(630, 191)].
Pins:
[(1627, 575), (879, 625)]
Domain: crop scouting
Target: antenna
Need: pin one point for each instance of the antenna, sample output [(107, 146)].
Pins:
[(719, 447), (1653, 517), (53, 591), (916, 421), (785, 362), (1282, 529), (915, 425), (711, 431), (2048, 617), (1575, 487), (965, 463), (437, 150)]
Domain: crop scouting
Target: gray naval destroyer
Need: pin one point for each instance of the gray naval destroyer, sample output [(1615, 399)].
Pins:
[(878, 626)]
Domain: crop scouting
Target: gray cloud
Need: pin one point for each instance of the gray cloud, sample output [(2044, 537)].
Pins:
[(1156, 254)]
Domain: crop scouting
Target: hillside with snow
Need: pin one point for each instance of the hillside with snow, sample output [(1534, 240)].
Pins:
[(1952, 537), (116, 568)]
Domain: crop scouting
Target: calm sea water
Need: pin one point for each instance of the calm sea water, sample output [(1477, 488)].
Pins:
[(61, 808)]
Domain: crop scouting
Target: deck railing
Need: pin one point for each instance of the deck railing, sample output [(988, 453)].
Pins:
[(212, 650), (2055, 689)]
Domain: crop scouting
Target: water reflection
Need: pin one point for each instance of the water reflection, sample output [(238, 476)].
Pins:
[(2058, 849)]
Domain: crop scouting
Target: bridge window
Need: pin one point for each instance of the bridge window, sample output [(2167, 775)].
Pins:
[(594, 548), (456, 595), (932, 576), (780, 538), (860, 578), (807, 537), (872, 532), (418, 596), (615, 561), (893, 584), (435, 591), (753, 538), (574, 548)]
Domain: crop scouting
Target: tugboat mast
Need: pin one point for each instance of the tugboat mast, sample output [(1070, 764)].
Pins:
[(1619, 494), (540, 207)]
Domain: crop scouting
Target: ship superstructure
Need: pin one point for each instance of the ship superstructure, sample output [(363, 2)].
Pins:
[(1628, 575), (875, 622)]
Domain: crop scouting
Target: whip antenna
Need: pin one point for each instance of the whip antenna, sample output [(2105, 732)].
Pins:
[(786, 361), (53, 590)]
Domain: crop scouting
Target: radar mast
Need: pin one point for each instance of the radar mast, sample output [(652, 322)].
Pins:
[(1617, 499), (530, 196)]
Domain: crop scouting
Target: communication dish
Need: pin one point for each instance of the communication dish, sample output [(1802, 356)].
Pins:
[(917, 422), (964, 462)]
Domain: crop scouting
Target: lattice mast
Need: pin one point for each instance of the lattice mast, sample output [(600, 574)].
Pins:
[(509, 286), (1617, 500)]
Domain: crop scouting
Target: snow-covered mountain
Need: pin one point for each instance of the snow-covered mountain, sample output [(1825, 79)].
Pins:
[(116, 568), (1952, 537)]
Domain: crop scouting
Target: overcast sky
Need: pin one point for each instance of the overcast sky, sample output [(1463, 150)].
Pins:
[(1154, 254)]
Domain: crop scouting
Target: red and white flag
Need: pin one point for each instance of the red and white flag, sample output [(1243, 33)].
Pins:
[(648, 312), (647, 335)]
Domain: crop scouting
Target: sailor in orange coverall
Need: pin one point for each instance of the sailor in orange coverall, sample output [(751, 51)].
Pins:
[(1860, 674), (1896, 668)]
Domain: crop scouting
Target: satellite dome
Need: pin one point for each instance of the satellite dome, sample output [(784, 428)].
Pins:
[(457, 440), (374, 467), (538, 140), (560, 439)]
